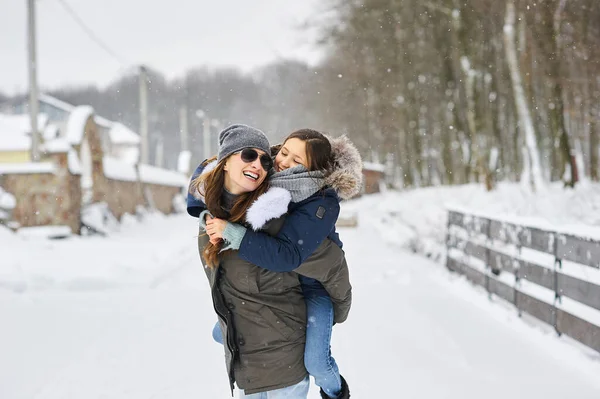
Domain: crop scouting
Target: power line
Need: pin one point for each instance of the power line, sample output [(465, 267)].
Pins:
[(89, 32)]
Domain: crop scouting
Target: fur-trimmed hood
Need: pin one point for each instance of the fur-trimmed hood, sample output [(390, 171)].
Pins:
[(345, 176)]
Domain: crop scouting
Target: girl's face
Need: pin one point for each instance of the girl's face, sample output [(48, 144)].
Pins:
[(292, 153), (242, 177)]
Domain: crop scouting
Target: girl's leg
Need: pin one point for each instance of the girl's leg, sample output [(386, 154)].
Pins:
[(317, 354), (217, 334)]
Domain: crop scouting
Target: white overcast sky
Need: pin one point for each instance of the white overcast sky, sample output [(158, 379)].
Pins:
[(168, 35)]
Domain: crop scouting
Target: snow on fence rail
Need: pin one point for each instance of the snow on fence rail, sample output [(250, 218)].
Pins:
[(552, 276)]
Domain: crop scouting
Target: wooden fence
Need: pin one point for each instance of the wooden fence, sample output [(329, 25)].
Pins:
[(489, 253)]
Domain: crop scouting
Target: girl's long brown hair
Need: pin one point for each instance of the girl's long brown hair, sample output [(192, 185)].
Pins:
[(211, 186)]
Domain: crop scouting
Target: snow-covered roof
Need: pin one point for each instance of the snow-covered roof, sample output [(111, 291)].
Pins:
[(73, 162), (27, 168), (51, 132), (117, 169), (15, 131), (153, 175), (14, 141), (377, 167), (121, 134), (130, 155), (21, 123), (103, 122), (55, 102), (56, 146), (118, 133), (76, 123)]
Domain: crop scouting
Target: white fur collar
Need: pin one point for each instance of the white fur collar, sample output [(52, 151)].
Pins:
[(270, 205)]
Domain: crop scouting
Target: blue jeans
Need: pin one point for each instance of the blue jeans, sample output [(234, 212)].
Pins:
[(217, 334), (298, 391), (317, 354)]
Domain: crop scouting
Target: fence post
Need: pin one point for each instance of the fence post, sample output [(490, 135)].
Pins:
[(557, 267), (488, 262), (448, 224)]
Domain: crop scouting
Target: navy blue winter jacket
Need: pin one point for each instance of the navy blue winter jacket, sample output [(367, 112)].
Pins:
[(307, 225)]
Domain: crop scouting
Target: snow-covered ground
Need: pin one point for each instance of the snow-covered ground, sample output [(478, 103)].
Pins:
[(129, 316)]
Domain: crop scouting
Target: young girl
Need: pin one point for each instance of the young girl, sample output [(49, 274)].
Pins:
[(316, 176)]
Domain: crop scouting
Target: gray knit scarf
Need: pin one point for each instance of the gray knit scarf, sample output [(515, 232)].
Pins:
[(299, 182)]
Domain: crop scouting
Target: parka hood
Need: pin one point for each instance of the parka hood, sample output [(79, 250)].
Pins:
[(345, 176)]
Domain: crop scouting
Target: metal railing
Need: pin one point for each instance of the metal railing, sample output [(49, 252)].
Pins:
[(490, 253)]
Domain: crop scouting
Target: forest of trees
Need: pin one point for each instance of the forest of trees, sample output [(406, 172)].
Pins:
[(477, 90), (442, 91)]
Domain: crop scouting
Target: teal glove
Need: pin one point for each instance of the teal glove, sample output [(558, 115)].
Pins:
[(202, 219), (233, 235)]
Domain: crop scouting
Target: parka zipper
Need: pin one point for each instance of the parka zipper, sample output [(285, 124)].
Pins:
[(232, 350)]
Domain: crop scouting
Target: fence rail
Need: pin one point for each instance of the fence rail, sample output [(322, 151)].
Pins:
[(477, 241)]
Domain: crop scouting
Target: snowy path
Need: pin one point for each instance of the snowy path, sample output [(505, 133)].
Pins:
[(415, 331)]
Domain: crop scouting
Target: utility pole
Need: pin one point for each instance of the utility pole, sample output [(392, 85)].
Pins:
[(206, 137), (33, 86), (143, 82), (215, 143), (160, 152), (206, 150), (183, 128)]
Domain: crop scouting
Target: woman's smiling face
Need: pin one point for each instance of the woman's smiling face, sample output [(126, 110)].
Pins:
[(292, 153), (242, 177)]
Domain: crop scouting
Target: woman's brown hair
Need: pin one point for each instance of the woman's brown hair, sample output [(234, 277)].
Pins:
[(318, 148), (211, 186)]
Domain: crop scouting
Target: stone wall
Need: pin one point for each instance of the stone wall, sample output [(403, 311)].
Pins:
[(45, 198), (161, 197), (124, 196), (121, 196)]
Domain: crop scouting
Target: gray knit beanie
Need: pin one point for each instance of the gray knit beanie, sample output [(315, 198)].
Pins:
[(237, 137)]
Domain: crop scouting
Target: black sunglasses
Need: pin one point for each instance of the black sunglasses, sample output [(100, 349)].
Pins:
[(250, 154)]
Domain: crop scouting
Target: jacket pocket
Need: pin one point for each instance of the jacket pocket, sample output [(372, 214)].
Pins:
[(278, 324)]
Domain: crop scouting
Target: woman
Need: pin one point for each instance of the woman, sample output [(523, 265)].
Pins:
[(314, 175), (261, 313)]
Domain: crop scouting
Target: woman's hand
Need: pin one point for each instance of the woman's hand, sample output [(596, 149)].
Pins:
[(215, 228)]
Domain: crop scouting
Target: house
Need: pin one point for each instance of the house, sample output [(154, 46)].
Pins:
[(75, 172), (374, 177), (15, 139), (116, 139)]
